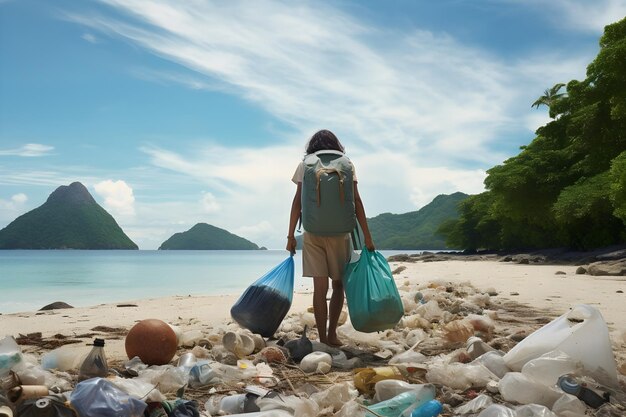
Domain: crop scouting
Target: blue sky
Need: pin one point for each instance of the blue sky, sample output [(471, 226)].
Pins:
[(173, 113)]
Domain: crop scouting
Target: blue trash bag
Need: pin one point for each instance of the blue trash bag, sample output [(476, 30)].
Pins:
[(373, 300), (265, 303), (97, 397)]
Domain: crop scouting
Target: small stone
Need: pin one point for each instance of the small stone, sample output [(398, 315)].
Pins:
[(398, 270), (581, 270), (560, 273), (619, 292), (524, 261), (514, 293)]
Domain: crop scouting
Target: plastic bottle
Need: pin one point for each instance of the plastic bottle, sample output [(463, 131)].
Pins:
[(95, 364), (569, 384), (389, 388), (402, 404), (430, 409)]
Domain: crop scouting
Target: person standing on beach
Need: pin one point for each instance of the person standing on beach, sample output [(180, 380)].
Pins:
[(325, 253)]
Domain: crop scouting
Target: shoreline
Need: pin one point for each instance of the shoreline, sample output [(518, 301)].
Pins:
[(537, 286)]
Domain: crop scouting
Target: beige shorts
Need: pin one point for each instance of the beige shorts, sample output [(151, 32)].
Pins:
[(325, 256)]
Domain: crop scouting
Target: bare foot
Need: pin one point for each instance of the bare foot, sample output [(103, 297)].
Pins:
[(333, 341)]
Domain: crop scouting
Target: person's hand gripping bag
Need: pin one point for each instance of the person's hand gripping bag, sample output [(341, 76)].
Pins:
[(373, 300), (265, 303)]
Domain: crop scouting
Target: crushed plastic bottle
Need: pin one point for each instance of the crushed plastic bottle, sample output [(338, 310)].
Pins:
[(431, 408), (570, 385), (95, 364), (389, 388), (402, 404)]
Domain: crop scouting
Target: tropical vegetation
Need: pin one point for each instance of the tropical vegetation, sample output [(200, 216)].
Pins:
[(568, 186)]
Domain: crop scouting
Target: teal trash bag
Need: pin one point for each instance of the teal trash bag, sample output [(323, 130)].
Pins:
[(373, 300), (265, 303)]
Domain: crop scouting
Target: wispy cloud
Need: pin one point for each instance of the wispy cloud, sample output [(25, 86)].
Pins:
[(89, 37), (313, 65), (580, 15), (28, 150)]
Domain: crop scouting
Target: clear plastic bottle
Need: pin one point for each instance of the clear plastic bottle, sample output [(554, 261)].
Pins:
[(95, 364)]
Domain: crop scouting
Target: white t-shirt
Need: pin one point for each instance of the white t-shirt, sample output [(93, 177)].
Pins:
[(298, 176)]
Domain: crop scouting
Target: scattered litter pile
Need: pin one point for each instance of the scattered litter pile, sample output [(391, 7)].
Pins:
[(456, 352)]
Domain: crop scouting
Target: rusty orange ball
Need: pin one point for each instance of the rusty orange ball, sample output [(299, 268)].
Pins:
[(153, 341)]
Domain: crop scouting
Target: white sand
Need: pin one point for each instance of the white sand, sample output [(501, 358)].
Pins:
[(536, 285)]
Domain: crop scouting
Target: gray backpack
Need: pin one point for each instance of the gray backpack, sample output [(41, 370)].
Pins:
[(328, 194)]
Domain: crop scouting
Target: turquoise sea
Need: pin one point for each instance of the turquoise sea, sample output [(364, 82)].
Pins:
[(30, 279)]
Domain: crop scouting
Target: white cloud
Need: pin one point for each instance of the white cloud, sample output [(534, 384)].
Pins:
[(14, 203), (28, 150), (583, 15), (209, 203), (89, 38), (118, 197), (20, 198)]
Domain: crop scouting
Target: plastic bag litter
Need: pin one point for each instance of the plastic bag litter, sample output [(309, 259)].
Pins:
[(409, 356), (458, 331), (10, 354), (167, 378), (581, 333), (63, 358), (517, 387), (569, 403), (533, 410), (301, 407), (430, 311), (265, 303), (349, 333), (415, 336), (138, 388), (547, 368), (32, 374), (460, 376), (415, 321), (497, 410), (494, 362), (373, 300), (335, 396), (99, 397), (480, 402), (483, 324)]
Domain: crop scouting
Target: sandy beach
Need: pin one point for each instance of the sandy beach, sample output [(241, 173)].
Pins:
[(534, 285)]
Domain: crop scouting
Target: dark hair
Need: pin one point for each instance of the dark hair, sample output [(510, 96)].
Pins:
[(323, 140)]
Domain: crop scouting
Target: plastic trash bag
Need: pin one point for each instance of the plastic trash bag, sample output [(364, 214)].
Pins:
[(265, 303), (99, 397), (374, 302), (580, 333)]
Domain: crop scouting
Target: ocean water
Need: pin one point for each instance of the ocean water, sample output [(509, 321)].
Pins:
[(30, 279)]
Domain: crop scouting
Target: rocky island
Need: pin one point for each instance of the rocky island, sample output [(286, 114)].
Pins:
[(69, 219)]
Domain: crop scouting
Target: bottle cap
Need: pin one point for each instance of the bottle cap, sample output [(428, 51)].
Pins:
[(569, 384), (98, 342)]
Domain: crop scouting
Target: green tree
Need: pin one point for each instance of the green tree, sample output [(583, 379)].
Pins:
[(550, 97)]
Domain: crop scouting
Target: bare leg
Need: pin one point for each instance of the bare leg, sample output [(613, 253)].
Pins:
[(320, 289), (336, 304)]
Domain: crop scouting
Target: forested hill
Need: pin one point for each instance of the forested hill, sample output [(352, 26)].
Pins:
[(568, 186), (206, 237), (416, 229), (69, 219)]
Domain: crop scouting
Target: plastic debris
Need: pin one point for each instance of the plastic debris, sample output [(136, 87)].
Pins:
[(316, 362)]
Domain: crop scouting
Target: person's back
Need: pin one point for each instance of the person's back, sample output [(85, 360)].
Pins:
[(328, 202)]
